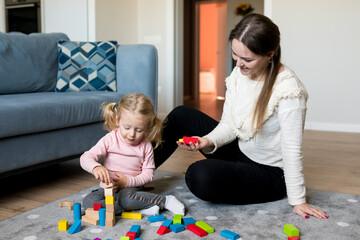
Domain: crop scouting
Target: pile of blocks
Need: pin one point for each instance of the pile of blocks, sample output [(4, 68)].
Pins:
[(292, 232)]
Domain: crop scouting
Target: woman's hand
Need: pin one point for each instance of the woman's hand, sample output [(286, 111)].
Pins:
[(120, 181), (100, 172), (200, 144), (304, 210)]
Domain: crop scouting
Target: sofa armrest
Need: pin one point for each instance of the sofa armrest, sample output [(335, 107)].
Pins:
[(137, 70)]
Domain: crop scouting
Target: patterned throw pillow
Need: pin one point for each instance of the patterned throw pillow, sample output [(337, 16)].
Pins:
[(86, 66)]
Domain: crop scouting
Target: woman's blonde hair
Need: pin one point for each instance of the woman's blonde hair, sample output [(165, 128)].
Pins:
[(138, 103)]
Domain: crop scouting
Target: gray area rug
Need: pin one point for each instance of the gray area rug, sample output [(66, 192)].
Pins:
[(256, 221)]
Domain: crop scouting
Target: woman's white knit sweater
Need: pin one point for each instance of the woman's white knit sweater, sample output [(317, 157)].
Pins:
[(280, 142)]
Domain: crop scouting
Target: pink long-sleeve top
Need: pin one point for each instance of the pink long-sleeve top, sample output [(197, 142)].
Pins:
[(136, 162)]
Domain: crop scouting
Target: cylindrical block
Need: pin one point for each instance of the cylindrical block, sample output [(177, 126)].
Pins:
[(102, 214), (77, 211)]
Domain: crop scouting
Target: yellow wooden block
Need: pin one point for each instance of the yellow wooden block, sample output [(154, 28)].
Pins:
[(63, 225), (109, 200), (180, 140), (131, 215)]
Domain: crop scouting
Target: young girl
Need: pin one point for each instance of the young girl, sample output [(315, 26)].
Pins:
[(128, 158)]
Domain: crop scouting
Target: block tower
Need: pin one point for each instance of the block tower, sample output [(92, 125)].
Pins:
[(110, 205)]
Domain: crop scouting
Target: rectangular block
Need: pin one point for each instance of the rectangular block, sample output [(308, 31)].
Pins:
[(75, 228), (188, 221), (177, 218), (90, 212), (197, 230), (156, 218), (167, 223), (109, 192), (97, 206), (291, 230), (110, 222), (109, 200), (110, 207), (136, 228), (177, 227), (131, 215), (205, 226), (110, 215), (229, 234), (90, 220)]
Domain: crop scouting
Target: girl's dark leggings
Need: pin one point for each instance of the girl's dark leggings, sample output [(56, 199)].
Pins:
[(227, 176)]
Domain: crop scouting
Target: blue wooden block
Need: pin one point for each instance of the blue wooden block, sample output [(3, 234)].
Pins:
[(136, 228), (167, 223), (177, 227), (75, 228), (102, 216), (188, 221), (156, 218), (77, 211), (230, 235)]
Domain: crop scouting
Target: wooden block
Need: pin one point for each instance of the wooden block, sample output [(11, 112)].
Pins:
[(91, 213), (188, 220), (124, 238), (131, 235), (156, 218), (110, 185), (136, 229), (66, 203), (291, 230), (102, 214), (109, 200), (109, 192), (75, 228), (177, 227), (167, 223), (229, 234), (163, 230), (63, 225), (131, 215), (294, 238), (110, 222), (188, 140), (177, 218), (110, 215), (197, 230), (97, 206), (110, 207), (77, 211), (90, 220), (205, 226)]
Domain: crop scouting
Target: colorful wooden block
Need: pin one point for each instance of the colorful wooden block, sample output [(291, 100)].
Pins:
[(102, 215), (77, 211), (197, 230), (131, 215), (97, 206), (66, 203), (291, 230), (75, 228), (188, 140), (136, 228), (205, 226), (294, 238), (124, 238), (163, 230), (90, 220), (188, 221), (90, 212), (131, 235), (177, 218), (109, 192), (110, 200), (63, 225), (156, 218), (167, 223), (229, 234), (177, 227)]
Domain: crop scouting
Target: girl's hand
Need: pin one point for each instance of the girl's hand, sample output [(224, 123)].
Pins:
[(120, 181), (200, 144), (100, 172), (304, 210)]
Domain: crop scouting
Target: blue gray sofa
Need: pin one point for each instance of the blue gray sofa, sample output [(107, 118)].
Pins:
[(39, 126)]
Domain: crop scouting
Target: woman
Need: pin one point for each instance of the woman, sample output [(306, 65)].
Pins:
[(254, 154)]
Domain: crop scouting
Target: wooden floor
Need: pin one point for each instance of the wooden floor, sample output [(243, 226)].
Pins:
[(331, 163)]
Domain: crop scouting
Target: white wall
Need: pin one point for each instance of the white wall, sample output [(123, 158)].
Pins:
[(320, 42)]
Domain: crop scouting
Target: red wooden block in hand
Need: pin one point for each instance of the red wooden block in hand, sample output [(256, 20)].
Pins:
[(197, 230), (162, 230), (97, 206), (188, 140), (131, 235)]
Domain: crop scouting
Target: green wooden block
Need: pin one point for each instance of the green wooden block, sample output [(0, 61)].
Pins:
[(124, 238), (203, 225), (177, 218), (290, 230)]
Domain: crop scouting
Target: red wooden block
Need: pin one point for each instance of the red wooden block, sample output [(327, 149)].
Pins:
[(97, 206), (131, 235), (187, 140), (163, 230), (294, 238), (197, 230)]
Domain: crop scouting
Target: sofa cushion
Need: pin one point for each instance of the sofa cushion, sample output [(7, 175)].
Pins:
[(28, 62), (37, 112), (86, 66)]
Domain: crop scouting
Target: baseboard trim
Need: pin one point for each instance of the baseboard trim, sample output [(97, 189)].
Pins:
[(332, 127)]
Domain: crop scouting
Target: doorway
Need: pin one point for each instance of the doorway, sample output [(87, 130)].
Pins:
[(205, 55)]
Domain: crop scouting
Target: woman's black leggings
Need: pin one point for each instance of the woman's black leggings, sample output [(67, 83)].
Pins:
[(227, 176)]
